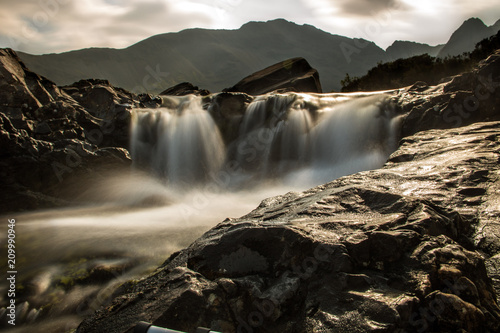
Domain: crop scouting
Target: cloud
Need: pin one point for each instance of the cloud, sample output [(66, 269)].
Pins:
[(61, 25), (366, 7), (354, 8), (384, 21), (42, 26)]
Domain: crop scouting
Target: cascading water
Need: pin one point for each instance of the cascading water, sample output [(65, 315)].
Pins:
[(313, 137), (283, 142), (180, 143), (292, 141)]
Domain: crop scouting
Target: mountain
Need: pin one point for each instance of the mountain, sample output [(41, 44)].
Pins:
[(218, 59), (406, 49), (464, 39), (496, 26), (212, 59)]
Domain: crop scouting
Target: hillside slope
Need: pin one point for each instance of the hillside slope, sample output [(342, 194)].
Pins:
[(211, 59), (218, 59), (464, 39), (406, 49)]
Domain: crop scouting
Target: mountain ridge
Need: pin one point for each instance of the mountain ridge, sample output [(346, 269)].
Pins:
[(407, 49), (466, 36), (217, 59)]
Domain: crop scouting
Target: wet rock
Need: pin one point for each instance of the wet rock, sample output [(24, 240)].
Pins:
[(43, 128), (419, 86), (150, 101), (394, 249), (36, 121), (472, 191), (227, 109), (290, 75), (184, 88), (32, 315), (22, 311), (19, 86), (466, 99), (448, 312), (111, 107), (100, 98)]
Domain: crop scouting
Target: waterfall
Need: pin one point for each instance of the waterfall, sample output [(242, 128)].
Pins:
[(354, 136), (314, 138), (189, 179), (308, 138), (180, 142)]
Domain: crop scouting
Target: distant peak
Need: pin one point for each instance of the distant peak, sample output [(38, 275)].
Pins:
[(473, 22), (473, 19), (278, 21), (470, 26), (406, 42)]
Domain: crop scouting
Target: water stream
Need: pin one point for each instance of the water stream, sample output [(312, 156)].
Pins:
[(187, 178)]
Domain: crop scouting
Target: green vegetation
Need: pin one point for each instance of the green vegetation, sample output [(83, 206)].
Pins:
[(73, 273), (405, 72)]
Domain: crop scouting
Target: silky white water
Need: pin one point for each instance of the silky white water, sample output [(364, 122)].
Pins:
[(320, 137), (185, 179)]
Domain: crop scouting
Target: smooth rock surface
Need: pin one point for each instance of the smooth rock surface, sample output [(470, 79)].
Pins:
[(184, 88), (404, 248), (290, 75)]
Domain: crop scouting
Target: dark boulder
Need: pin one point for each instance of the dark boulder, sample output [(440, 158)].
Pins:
[(228, 109), (49, 141), (21, 89), (110, 105), (149, 101), (100, 98), (38, 174), (185, 88), (31, 101), (290, 75)]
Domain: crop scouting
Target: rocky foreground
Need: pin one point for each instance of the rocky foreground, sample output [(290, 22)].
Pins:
[(413, 246), (50, 136)]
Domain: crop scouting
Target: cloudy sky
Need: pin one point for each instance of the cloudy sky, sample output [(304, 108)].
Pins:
[(46, 26)]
